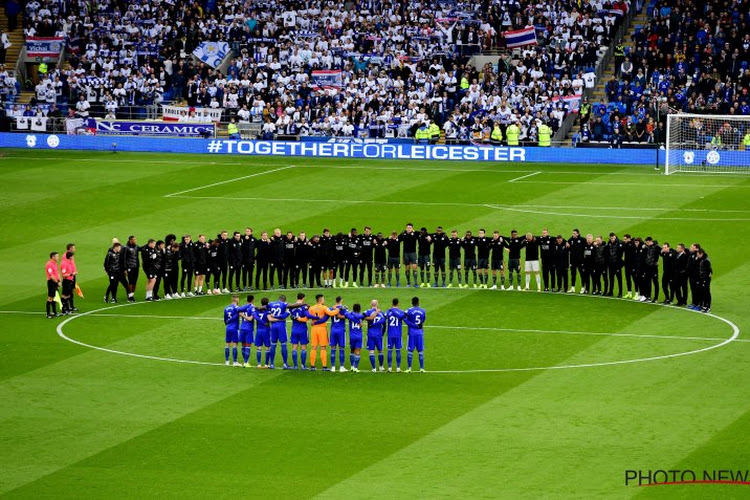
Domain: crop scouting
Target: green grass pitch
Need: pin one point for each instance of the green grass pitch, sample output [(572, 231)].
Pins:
[(536, 395)]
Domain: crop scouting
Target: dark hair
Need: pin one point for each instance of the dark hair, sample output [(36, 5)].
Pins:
[(318, 296), (116, 245), (356, 308), (649, 238), (395, 301), (300, 296), (264, 301), (52, 254), (338, 298), (415, 301), (250, 298), (282, 298), (69, 246), (612, 234), (575, 230)]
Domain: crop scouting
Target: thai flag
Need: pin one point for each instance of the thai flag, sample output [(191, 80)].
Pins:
[(520, 38)]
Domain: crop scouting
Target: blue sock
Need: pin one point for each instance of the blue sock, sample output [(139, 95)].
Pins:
[(398, 358), (421, 359), (409, 357), (333, 357), (234, 354), (390, 357), (357, 357), (303, 355), (284, 354), (273, 354), (226, 354), (351, 358), (245, 354), (257, 354), (342, 356), (380, 359), (294, 357), (268, 357), (372, 360)]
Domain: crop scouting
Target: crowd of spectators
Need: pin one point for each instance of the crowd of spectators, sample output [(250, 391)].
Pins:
[(401, 63), (692, 56)]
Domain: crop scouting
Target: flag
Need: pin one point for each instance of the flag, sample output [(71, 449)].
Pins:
[(326, 79), (212, 53), (520, 38), (79, 291), (58, 299)]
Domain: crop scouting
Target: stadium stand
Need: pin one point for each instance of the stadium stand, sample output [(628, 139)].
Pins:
[(401, 64)]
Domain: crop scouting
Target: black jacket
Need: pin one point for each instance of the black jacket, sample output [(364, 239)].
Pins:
[(704, 268), (130, 256), (668, 263), (248, 249), (234, 249), (112, 262), (561, 255), (187, 254), (680, 264), (616, 250), (601, 254), (200, 253), (576, 249), (652, 254), (150, 256)]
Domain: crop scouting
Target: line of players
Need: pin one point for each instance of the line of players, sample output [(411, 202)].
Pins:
[(265, 326), (328, 260)]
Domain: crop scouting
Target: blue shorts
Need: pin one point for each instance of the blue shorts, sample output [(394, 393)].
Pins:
[(375, 343), (395, 342), (338, 339), (355, 342), (231, 335), (246, 336), (278, 334), (263, 339), (300, 337), (416, 342)]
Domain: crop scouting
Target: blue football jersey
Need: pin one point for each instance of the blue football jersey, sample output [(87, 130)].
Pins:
[(299, 312), (247, 324), (415, 318), (355, 323), (395, 317), (338, 325), (375, 326), (232, 317)]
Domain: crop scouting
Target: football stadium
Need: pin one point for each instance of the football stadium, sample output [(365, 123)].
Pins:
[(372, 249)]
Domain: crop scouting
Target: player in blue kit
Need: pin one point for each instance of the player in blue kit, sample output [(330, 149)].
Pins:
[(355, 335), (277, 317), (375, 323), (394, 319), (299, 337), (246, 329), (232, 323), (338, 336), (415, 319), (262, 333)]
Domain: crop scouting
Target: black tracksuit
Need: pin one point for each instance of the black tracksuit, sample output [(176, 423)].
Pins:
[(290, 262), (248, 260), (614, 267), (587, 266), (680, 287), (705, 272), (692, 274), (367, 244), (561, 261), (302, 270), (600, 281), (668, 274), (353, 254), (632, 276), (234, 260), (113, 268), (316, 264), (222, 261), (263, 260), (187, 255), (547, 251), (171, 266), (576, 258), (276, 261), (651, 272)]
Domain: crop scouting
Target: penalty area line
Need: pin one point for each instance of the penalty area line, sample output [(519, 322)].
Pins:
[(524, 176), (257, 174)]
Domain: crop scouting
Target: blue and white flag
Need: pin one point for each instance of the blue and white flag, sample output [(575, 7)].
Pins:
[(520, 38), (212, 53)]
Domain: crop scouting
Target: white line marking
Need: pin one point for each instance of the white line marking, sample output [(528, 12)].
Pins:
[(735, 334), (609, 216), (656, 185), (524, 176), (453, 204), (228, 181)]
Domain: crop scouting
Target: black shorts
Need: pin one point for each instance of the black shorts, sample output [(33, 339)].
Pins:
[(51, 288), (483, 264), (514, 265), (380, 266), (497, 265), (424, 261), (187, 269), (439, 263), (470, 264), (67, 287), (152, 275), (132, 276), (326, 262), (410, 258), (200, 270), (394, 263), (454, 263)]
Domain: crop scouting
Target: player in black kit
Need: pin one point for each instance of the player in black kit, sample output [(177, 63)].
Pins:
[(439, 244), (483, 243), (423, 257), (367, 246)]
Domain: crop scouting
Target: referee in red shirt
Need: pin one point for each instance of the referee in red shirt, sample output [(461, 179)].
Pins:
[(53, 283)]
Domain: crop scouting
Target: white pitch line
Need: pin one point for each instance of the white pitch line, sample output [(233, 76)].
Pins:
[(610, 216), (642, 184), (524, 176), (228, 181)]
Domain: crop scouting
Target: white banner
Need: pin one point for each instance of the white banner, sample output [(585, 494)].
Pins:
[(39, 124), (190, 115), (22, 122), (212, 53)]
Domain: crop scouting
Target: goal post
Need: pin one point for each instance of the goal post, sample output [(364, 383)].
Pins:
[(707, 143)]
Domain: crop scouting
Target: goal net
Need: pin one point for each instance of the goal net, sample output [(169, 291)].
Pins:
[(707, 143)]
